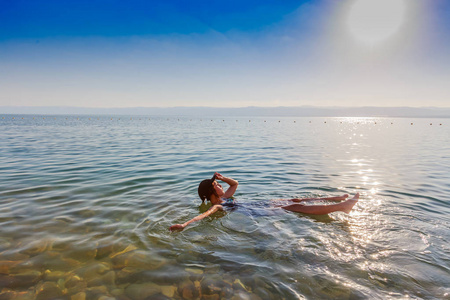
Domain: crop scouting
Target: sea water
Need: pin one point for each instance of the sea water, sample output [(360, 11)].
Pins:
[(86, 203)]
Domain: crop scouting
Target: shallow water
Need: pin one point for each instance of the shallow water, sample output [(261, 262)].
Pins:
[(86, 203)]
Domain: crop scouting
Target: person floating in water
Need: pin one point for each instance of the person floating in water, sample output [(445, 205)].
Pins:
[(210, 189)]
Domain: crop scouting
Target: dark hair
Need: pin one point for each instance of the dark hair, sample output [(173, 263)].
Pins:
[(206, 189)]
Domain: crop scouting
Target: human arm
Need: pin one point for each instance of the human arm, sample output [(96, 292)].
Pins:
[(210, 211), (231, 182)]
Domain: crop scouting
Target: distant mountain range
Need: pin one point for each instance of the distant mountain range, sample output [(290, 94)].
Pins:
[(280, 111)]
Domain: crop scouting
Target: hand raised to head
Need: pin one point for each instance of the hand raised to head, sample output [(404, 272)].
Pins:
[(218, 176)]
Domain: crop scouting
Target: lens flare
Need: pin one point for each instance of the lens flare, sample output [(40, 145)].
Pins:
[(373, 21)]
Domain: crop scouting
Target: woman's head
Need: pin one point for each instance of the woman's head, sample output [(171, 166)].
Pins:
[(209, 187)]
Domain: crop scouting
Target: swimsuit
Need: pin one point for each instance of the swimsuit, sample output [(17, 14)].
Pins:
[(229, 203), (260, 209)]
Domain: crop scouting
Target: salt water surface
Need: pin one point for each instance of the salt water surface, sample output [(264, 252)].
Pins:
[(86, 203)]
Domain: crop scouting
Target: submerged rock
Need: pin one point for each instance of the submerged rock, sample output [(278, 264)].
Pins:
[(211, 297), (142, 291), (129, 248), (20, 280), (72, 281), (241, 295), (263, 293), (168, 290), (6, 294), (107, 279), (211, 286), (212, 269), (5, 266), (238, 285), (48, 290), (77, 288), (28, 277), (80, 254), (78, 296), (138, 259), (227, 292), (188, 290), (74, 284), (104, 251), (37, 246), (93, 270), (106, 298), (52, 260), (96, 292), (194, 270), (195, 273), (53, 276), (14, 256), (126, 275), (117, 292)]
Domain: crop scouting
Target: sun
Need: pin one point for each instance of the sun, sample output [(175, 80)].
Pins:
[(373, 21)]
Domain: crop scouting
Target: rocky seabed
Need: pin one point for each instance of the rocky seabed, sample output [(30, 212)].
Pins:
[(41, 271)]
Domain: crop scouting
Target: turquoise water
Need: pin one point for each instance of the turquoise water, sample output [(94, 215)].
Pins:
[(86, 203)]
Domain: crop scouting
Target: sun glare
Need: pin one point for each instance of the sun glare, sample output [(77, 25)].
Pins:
[(372, 21)]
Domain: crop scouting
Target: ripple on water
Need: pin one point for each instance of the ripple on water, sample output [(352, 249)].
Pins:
[(85, 206)]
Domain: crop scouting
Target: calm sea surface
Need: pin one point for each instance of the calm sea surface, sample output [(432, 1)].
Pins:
[(86, 203)]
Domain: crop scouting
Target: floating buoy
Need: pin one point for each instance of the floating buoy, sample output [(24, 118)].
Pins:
[(264, 121), (325, 122), (43, 118), (412, 123), (223, 120), (392, 123), (22, 118), (375, 123), (440, 124), (431, 123), (13, 118), (279, 121), (249, 120), (294, 121)]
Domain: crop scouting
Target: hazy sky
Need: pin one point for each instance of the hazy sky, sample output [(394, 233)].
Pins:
[(108, 53)]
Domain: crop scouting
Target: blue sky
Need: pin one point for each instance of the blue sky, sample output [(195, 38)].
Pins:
[(225, 53)]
